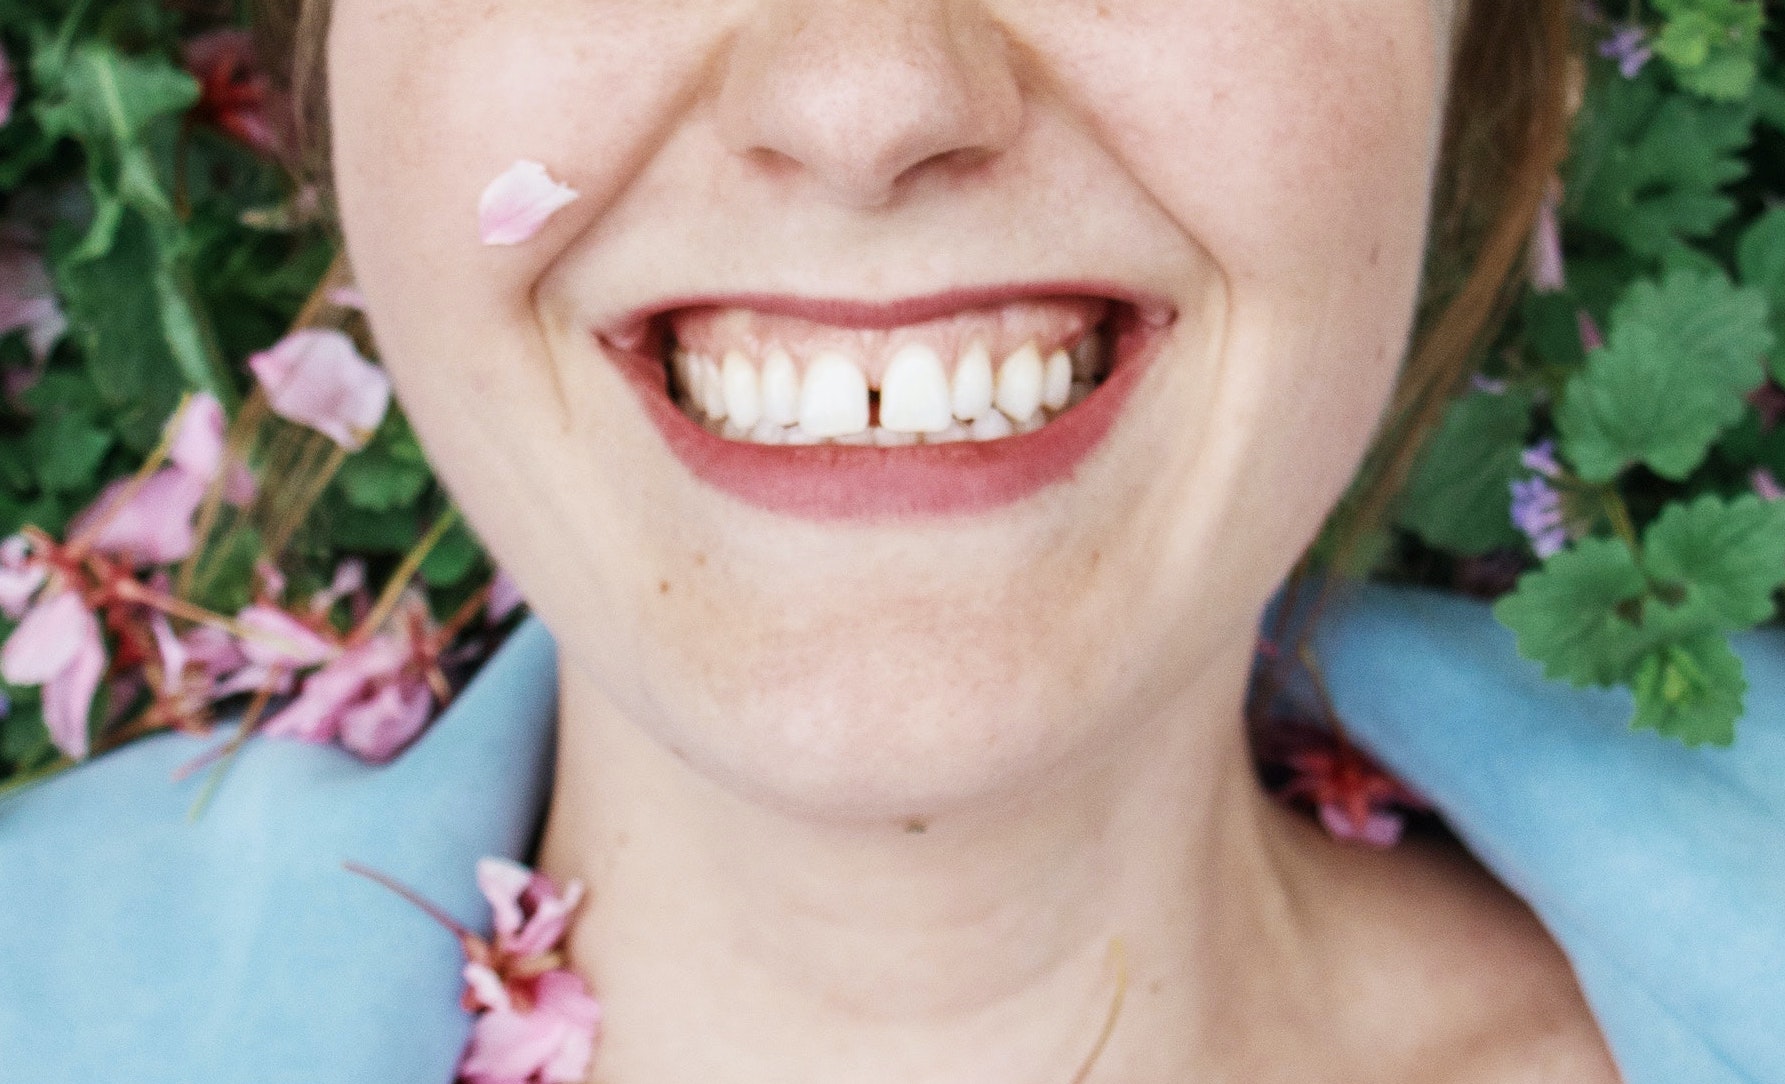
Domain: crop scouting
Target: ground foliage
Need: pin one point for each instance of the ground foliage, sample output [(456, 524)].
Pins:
[(174, 246), (1635, 396)]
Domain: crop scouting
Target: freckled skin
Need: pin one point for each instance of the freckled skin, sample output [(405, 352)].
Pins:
[(1263, 164)]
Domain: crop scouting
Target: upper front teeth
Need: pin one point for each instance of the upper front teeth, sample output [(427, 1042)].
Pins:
[(773, 404), (914, 395), (834, 399)]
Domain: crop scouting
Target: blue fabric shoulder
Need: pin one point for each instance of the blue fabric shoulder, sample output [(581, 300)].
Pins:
[(138, 946), (1659, 869), (135, 945)]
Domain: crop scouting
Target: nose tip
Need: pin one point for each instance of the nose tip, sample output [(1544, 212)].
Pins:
[(863, 96)]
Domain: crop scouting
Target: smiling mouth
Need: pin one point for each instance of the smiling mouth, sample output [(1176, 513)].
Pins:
[(943, 405), (984, 374)]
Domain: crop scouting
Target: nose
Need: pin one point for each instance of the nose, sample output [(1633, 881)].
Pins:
[(861, 97)]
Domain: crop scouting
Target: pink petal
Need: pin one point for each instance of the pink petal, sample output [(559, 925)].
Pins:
[(518, 204), (272, 637), (20, 577), (347, 297), (168, 646), (564, 996), (317, 378), (9, 89), (68, 697), (486, 986), (380, 727), (505, 597), (315, 714), (197, 445), (511, 1046), (214, 650), (46, 641), (502, 883), (154, 527), (28, 300), (546, 926), (1379, 829)]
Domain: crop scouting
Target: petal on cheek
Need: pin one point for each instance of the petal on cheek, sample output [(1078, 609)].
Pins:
[(519, 203)]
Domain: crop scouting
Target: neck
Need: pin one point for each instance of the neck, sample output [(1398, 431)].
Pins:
[(733, 943)]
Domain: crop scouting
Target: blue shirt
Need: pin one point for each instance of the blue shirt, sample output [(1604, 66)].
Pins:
[(136, 945)]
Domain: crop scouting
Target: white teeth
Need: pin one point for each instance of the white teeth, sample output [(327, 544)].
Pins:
[(712, 390), (780, 388), (914, 392), (834, 399), (1056, 383), (954, 434), (918, 400), (890, 438), (743, 395), (1019, 383), (994, 426), (767, 432), (972, 391)]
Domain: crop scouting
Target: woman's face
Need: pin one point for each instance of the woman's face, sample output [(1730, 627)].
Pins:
[(1215, 208)]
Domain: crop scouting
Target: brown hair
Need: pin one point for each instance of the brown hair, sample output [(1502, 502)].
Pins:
[(1506, 131)]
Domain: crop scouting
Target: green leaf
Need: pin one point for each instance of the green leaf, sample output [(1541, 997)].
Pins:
[(114, 309), (1458, 496), (1713, 46), (1728, 555), (389, 473), (452, 558), (1691, 690), (1648, 167), (1679, 360), (108, 100), (65, 451), (1570, 615), (1760, 260)]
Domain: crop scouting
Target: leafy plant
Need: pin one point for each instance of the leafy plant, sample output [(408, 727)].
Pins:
[(1629, 424)]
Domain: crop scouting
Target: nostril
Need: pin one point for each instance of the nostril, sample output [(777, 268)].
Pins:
[(864, 98)]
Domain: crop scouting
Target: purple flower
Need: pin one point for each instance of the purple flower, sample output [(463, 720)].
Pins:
[(1537, 511), (1629, 46), (1765, 485), (1541, 457), (9, 89)]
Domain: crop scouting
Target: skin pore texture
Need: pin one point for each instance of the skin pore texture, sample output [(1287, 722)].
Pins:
[(869, 799)]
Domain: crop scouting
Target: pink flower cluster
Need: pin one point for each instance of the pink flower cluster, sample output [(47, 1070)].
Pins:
[(372, 690), (1354, 797), (537, 1021)]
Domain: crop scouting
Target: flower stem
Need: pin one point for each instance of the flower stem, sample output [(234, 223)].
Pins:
[(393, 589), (412, 896), (1120, 958)]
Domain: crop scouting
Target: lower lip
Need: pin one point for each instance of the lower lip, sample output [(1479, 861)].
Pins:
[(855, 482)]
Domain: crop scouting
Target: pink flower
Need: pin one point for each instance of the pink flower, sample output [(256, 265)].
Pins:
[(318, 379), (154, 523), (235, 96), (273, 648), (538, 1020), (1766, 485), (1355, 798), (517, 205), (551, 1044), (373, 698), (9, 89), (531, 914), (20, 576), (28, 300), (58, 646), (1591, 338), (505, 597)]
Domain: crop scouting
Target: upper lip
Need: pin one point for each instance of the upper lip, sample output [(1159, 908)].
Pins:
[(632, 330)]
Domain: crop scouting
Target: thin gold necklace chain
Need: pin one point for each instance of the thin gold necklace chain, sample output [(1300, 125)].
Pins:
[(1120, 959)]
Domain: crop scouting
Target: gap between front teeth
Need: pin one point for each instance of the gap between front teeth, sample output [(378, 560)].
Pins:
[(918, 399)]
